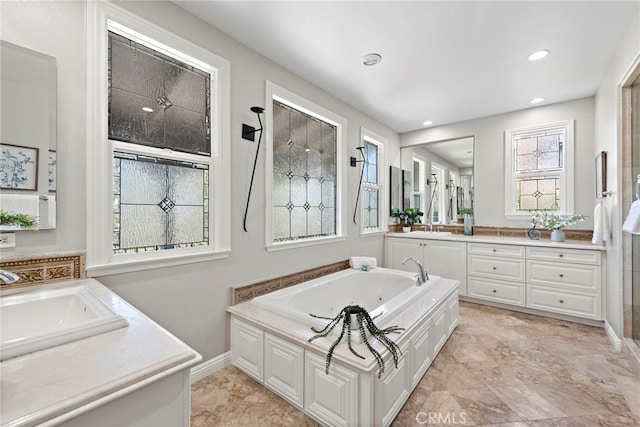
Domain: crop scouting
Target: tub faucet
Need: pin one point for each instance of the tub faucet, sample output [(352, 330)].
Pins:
[(8, 277), (423, 276)]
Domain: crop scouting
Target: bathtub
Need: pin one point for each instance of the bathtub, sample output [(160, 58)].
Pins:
[(383, 292)]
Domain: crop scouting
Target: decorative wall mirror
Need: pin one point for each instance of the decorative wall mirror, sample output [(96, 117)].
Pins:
[(28, 155)]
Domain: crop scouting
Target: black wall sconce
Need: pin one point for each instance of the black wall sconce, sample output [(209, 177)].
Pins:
[(249, 133)]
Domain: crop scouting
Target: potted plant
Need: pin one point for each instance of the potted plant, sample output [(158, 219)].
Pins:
[(467, 213), (556, 223), (407, 217), (17, 221)]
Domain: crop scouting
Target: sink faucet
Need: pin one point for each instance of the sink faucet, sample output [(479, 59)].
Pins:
[(8, 277), (423, 276)]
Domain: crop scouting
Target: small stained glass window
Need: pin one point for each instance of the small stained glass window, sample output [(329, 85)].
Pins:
[(158, 203), (304, 175), (157, 100), (539, 153), (538, 193), (370, 192)]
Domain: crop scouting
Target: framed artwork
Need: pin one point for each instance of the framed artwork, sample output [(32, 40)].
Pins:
[(18, 167), (53, 162)]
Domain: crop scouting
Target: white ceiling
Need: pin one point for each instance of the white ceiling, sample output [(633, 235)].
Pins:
[(443, 61)]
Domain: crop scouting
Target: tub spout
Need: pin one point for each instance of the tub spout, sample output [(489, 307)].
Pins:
[(423, 276), (8, 277)]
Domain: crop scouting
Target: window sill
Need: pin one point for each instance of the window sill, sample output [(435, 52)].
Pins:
[(303, 243), (372, 233), (131, 266)]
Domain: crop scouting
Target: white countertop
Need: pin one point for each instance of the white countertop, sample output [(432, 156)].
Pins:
[(504, 240), (68, 380)]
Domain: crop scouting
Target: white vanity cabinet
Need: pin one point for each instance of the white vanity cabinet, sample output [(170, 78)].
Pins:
[(496, 272), (443, 258), (566, 281)]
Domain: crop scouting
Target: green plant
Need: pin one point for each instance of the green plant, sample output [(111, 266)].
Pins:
[(553, 221), (21, 220), (408, 217), (465, 211)]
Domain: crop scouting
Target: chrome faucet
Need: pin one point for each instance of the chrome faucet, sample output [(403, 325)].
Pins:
[(422, 276), (8, 277)]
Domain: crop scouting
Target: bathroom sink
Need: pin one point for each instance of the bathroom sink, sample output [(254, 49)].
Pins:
[(37, 320), (430, 233)]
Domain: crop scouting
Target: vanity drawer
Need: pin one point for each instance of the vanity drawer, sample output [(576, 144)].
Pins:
[(579, 277), (564, 255), (512, 251), (560, 301), (510, 269), (493, 290)]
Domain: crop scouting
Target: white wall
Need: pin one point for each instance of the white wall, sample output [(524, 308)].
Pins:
[(608, 138), (189, 300), (489, 155)]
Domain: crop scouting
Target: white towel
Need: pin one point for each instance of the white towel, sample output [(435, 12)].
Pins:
[(601, 231), (632, 223), (363, 263), (21, 204)]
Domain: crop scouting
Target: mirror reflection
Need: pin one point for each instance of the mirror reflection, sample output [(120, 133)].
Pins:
[(28, 157), (440, 178)]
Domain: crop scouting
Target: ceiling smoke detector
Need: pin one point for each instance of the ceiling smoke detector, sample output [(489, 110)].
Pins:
[(371, 59)]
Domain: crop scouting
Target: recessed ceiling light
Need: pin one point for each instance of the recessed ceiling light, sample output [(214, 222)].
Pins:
[(427, 123), (371, 59), (537, 100), (538, 55), (147, 109)]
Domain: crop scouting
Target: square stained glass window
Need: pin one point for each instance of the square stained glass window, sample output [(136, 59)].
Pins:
[(158, 204), (538, 193), (304, 175), (156, 100), (539, 153)]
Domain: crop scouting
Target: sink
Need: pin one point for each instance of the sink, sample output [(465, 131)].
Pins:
[(430, 233), (36, 320)]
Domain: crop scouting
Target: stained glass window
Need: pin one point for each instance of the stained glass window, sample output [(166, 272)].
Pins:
[(538, 193), (370, 191), (304, 175), (158, 203), (157, 100)]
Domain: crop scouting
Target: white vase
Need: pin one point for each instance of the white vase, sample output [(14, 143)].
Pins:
[(406, 229), (557, 236)]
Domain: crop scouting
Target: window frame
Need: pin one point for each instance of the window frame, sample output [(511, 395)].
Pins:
[(101, 260), (442, 206), (422, 181), (275, 92), (567, 190), (379, 141)]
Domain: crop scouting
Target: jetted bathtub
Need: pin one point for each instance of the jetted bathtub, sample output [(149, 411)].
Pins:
[(383, 292)]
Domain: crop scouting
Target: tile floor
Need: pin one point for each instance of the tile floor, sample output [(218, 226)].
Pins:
[(499, 368)]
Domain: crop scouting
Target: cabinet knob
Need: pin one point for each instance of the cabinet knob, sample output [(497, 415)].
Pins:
[(495, 268), (494, 250), (561, 275), (561, 301), (494, 291), (560, 255)]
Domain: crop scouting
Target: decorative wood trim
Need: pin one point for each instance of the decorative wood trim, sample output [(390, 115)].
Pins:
[(42, 269), (247, 292)]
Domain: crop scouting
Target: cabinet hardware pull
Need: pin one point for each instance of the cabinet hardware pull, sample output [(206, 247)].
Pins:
[(562, 275), (494, 250), (561, 301), (494, 291), (495, 268), (560, 255)]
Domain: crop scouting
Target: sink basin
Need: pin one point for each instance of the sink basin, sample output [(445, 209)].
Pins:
[(33, 321), (430, 233)]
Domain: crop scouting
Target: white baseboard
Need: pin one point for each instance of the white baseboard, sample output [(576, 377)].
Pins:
[(615, 340), (210, 366)]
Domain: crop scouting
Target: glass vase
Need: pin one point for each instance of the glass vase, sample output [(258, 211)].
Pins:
[(468, 225)]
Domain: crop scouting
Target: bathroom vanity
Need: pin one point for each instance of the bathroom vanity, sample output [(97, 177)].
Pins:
[(540, 276), (133, 375)]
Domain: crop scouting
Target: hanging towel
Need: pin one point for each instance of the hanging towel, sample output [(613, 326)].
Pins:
[(363, 263), (601, 231), (632, 223)]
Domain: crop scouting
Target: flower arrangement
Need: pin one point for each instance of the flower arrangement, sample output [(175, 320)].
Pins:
[(553, 221)]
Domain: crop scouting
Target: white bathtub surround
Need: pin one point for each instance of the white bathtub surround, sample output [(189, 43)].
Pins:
[(363, 263), (133, 375), (275, 350)]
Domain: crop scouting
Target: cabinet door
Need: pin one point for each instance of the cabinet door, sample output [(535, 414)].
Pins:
[(283, 368), (392, 389), (448, 260), (399, 249), (421, 352)]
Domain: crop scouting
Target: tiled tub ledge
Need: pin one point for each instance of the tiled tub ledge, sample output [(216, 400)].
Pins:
[(44, 268)]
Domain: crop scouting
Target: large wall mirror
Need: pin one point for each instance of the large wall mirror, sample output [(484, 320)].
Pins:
[(28, 157), (441, 179)]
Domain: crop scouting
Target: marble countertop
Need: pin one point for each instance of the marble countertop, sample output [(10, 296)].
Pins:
[(504, 240), (62, 382)]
